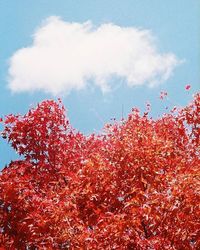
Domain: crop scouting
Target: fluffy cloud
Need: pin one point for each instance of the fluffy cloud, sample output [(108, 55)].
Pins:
[(70, 56)]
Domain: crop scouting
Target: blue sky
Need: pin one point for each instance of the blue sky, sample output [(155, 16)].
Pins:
[(173, 34)]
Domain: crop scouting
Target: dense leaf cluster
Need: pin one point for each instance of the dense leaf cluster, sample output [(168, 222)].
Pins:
[(136, 186)]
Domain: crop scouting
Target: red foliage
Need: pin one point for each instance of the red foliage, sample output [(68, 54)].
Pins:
[(137, 186), (188, 87)]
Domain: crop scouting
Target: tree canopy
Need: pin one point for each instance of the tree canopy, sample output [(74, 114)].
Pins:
[(135, 186)]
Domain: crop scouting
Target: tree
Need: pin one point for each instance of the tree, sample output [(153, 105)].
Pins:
[(136, 186)]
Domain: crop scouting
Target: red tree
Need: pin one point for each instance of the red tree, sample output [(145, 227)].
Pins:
[(136, 186)]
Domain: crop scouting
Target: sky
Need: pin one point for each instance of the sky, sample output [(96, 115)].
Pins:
[(102, 57)]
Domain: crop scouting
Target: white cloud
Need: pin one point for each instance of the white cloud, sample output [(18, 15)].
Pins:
[(66, 56)]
